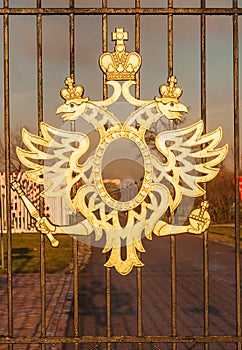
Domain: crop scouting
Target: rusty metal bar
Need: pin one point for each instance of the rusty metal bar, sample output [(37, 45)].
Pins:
[(105, 95), (75, 289), (138, 269), (108, 305), (236, 169), (74, 241), (40, 119), (139, 339), (172, 238), (104, 43), (122, 11), (173, 289), (72, 38), (39, 64), (203, 66), (137, 47), (170, 39), (7, 170), (203, 117), (121, 339)]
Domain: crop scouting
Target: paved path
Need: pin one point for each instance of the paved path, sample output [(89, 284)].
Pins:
[(27, 305), (156, 294), (156, 278)]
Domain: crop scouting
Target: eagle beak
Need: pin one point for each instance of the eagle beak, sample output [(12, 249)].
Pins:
[(180, 110), (61, 109), (68, 114)]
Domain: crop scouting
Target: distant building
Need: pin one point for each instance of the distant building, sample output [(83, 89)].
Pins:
[(55, 210)]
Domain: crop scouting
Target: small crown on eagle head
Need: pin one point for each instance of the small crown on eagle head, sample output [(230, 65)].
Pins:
[(120, 65), (72, 93), (169, 92)]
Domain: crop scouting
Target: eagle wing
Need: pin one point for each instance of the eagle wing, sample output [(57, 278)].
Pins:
[(53, 160), (188, 159)]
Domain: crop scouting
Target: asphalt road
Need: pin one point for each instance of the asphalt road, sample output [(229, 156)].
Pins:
[(156, 289)]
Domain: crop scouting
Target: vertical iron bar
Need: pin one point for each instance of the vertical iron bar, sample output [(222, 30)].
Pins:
[(170, 40), (203, 117), (236, 168), (138, 269), (105, 95), (1, 227), (137, 47), (41, 202), (73, 127), (172, 238), (104, 44), (108, 304), (7, 171), (72, 38)]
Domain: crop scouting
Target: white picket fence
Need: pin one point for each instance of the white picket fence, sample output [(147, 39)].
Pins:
[(56, 209)]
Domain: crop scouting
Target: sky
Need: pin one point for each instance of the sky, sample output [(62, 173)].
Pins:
[(88, 40)]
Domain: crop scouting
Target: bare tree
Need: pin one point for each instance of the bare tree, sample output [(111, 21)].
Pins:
[(220, 194), (15, 140)]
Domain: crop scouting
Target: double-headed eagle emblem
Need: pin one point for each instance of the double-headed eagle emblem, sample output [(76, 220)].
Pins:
[(184, 158)]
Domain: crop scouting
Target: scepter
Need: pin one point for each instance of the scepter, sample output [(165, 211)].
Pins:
[(33, 211)]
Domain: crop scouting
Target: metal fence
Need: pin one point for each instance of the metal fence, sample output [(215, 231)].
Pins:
[(74, 12)]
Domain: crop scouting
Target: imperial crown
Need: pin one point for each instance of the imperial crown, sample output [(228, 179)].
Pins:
[(170, 92), (120, 65), (72, 93)]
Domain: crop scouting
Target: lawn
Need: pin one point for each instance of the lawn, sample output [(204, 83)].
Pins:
[(26, 253), (223, 233), (26, 250)]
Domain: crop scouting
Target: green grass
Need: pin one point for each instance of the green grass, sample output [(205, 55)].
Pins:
[(224, 234), (26, 250), (26, 253)]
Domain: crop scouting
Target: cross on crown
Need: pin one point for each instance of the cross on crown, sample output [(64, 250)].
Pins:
[(120, 36)]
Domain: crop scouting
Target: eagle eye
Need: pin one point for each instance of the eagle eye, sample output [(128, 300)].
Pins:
[(171, 104), (72, 105)]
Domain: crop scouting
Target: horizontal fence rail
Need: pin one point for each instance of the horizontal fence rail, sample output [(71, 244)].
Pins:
[(121, 339), (122, 11), (137, 12)]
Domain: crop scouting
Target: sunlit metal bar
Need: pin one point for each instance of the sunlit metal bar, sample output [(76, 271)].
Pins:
[(170, 39), (137, 48), (72, 38), (7, 170), (39, 64), (138, 269), (104, 43), (172, 238), (121, 339), (40, 119), (203, 117), (122, 11), (108, 270), (73, 126), (104, 12), (108, 305), (236, 168)]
